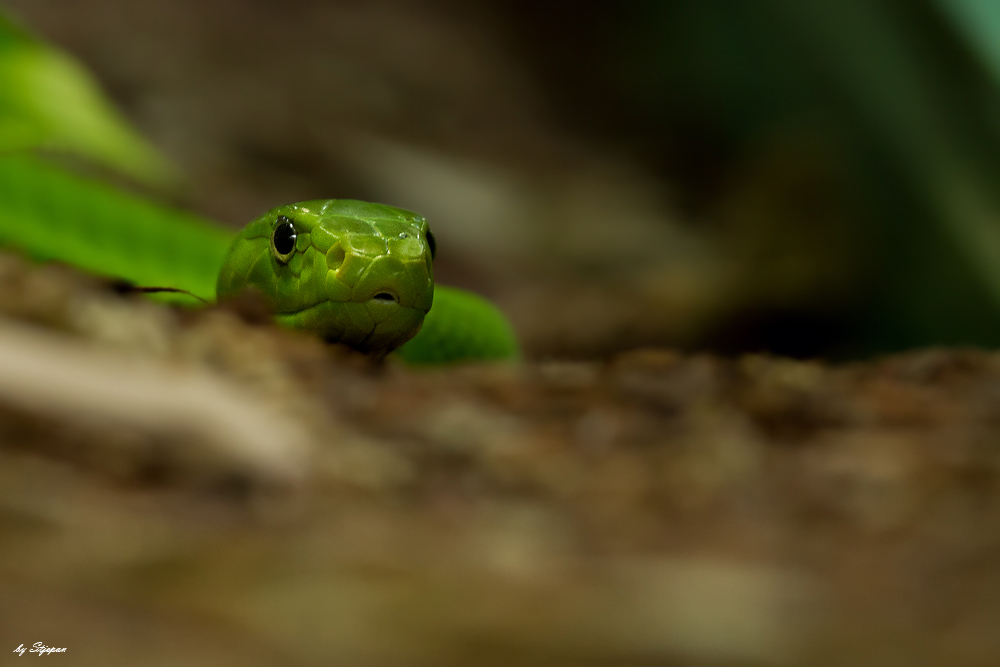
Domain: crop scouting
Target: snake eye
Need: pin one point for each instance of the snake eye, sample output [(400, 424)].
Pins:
[(432, 243), (283, 238)]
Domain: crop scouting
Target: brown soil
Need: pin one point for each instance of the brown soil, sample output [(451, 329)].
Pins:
[(654, 509)]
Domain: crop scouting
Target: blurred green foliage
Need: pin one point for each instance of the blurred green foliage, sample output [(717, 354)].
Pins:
[(50, 107), (908, 93), (53, 214), (915, 111), (48, 101)]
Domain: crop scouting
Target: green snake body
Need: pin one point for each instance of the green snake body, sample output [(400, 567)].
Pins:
[(351, 272)]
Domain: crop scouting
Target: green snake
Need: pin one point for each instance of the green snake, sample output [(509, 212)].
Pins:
[(352, 272)]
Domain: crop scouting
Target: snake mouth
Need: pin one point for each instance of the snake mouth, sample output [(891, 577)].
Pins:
[(380, 300), (376, 325)]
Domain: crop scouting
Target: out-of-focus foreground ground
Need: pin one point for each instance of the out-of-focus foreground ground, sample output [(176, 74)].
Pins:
[(193, 489), (201, 488)]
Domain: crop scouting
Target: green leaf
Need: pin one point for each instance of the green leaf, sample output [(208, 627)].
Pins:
[(51, 214), (48, 101)]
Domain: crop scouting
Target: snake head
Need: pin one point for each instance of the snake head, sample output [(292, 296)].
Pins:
[(352, 272)]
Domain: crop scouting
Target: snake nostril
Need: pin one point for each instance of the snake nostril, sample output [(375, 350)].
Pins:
[(384, 296)]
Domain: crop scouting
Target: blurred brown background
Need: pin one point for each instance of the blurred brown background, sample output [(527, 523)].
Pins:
[(717, 175)]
